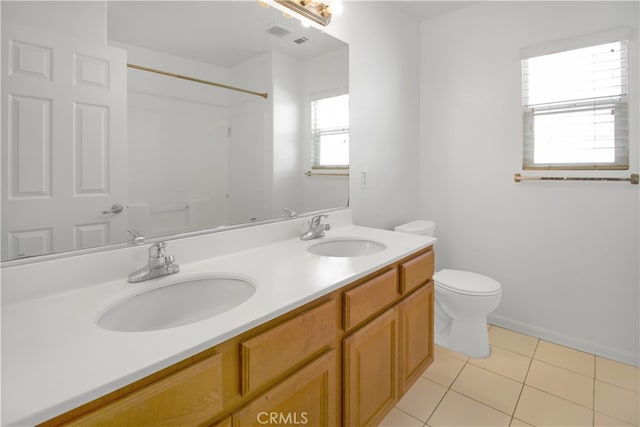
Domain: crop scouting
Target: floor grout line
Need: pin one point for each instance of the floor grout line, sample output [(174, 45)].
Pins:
[(412, 416), (593, 420), (448, 390), (499, 374), (563, 367), (559, 397), (515, 408)]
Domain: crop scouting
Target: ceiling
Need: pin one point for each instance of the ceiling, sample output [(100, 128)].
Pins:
[(227, 33), (424, 10), (222, 33)]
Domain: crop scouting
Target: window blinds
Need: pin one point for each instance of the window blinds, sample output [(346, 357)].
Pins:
[(330, 132), (575, 108)]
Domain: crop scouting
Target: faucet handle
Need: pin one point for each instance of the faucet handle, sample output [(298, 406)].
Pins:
[(288, 213), (136, 237), (315, 221), (157, 250)]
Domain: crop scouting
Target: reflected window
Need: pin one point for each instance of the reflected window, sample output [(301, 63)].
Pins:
[(330, 132)]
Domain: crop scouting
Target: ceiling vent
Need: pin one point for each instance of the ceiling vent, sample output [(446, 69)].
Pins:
[(277, 31), (301, 40)]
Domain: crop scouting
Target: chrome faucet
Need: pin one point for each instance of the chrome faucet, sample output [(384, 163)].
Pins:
[(136, 237), (159, 265), (316, 229), (289, 214)]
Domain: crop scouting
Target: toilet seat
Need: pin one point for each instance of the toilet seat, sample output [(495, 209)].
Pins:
[(467, 283)]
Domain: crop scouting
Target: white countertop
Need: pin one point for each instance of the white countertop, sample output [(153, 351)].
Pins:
[(55, 358)]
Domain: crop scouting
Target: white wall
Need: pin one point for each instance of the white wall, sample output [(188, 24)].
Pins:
[(384, 104), (288, 109), (566, 253), (177, 145), (251, 142), (59, 17), (325, 75)]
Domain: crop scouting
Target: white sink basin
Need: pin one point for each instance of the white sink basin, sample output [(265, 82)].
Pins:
[(346, 248), (177, 304)]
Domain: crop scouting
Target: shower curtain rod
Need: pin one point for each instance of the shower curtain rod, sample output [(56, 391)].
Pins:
[(193, 79), (633, 179)]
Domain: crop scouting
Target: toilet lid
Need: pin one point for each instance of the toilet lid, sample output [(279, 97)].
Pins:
[(466, 282)]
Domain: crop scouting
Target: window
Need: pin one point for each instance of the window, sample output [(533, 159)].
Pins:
[(330, 132), (575, 108)]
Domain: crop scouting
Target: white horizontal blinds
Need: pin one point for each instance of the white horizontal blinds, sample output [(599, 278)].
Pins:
[(575, 108), (330, 132)]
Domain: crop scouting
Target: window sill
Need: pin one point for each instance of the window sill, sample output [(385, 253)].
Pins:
[(328, 172)]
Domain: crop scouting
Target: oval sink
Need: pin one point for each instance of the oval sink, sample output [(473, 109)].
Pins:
[(177, 304), (346, 248)]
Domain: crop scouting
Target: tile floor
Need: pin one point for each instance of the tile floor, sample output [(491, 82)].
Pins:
[(525, 382)]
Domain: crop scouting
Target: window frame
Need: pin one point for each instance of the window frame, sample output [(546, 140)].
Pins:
[(618, 104), (313, 143)]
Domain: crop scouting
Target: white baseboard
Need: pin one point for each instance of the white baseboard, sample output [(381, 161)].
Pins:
[(566, 340)]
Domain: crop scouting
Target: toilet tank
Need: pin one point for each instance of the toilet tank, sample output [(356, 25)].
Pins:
[(420, 226)]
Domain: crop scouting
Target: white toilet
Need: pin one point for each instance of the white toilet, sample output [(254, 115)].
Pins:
[(463, 301)]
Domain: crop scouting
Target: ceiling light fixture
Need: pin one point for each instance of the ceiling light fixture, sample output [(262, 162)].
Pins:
[(310, 12)]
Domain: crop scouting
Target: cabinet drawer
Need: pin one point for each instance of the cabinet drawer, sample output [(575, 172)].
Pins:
[(416, 271), (285, 347), (369, 298), (191, 396)]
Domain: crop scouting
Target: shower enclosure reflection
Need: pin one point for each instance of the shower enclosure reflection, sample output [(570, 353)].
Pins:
[(82, 132)]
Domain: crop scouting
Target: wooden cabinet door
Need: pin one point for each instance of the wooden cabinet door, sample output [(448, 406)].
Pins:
[(370, 370), (416, 336), (308, 397)]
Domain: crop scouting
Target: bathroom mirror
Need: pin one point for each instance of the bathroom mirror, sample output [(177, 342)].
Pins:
[(92, 148)]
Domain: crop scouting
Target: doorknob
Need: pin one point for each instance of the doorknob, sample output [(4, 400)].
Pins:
[(116, 209)]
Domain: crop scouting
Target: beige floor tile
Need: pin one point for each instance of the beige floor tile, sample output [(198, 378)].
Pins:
[(561, 382), (397, 418), (458, 410), (513, 341), (617, 373), (444, 368), (617, 402), (602, 420), (499, 392), (421, 399), (518, 423), (451, 353), (565, 357), (543, 409), (504, 362)]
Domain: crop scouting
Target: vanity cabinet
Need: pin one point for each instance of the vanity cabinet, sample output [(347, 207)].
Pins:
[(192, 396), (343, 359), (385, 356)]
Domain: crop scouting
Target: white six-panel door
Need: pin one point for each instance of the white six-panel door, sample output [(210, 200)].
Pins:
[(63, 143)]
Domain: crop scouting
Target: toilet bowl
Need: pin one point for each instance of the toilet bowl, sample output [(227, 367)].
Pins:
[(463, 300)]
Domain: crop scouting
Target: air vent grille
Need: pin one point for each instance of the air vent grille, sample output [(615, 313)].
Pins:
[(301, 40), (277, 31)]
